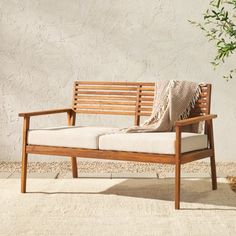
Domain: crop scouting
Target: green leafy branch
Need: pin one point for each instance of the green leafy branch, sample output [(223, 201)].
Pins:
[(219, 26)]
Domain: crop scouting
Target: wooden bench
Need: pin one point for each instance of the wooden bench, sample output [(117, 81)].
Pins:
[(133, 99)]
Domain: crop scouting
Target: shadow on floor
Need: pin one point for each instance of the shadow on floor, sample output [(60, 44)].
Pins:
[(192, 191)]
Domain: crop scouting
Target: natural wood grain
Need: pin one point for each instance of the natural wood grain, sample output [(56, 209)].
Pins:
[(83, 111), (194, 120), (71, 116), (202, 106), (107, 87), (100, 98), (26, 124), (141, 108), (104, 107), (137, 107), (114, 83), (177, 166), (150, 104), (101, 154), (212, 156), (125, 98), (143, 94), (106, 93), (147, 99), (48, 112), (144, 113), (110, 87), (195, 155), (107, 102)]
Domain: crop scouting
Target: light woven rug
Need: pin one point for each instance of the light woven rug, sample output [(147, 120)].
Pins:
[(116, 207)]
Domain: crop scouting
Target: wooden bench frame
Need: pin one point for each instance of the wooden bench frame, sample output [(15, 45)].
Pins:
[(124, 98)]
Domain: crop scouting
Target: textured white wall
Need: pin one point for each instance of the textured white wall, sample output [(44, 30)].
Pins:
[(47, 44)]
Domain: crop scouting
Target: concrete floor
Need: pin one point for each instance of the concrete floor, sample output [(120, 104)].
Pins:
[(116, 207)]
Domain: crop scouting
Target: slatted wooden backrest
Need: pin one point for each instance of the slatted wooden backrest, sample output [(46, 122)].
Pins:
[(125, 98)]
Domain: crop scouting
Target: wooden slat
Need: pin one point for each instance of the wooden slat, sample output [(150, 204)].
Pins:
[(201, 100), (91, 97), (147, 99), (203, 95), (196, 114), (147, 88), (101, 154), (104, 112), (143, 94), (145, 109), (106, 93), (147, 104), (105, 88), (115, 83), (203, 87), (106, 102), (196, 155), (201, 105), (144, 113), (104, 107)]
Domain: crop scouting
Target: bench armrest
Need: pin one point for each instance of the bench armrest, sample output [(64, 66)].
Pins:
[(194, 120), (48, 112)]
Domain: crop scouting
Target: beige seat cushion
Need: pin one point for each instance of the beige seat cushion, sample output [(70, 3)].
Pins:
[(163, 143), (77, 136)]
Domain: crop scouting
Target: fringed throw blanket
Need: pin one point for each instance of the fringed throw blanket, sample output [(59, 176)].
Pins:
[(173, 101)]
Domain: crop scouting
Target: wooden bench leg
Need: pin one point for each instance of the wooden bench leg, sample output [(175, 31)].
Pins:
[(177, 185), (24, 171), (74, 167), (212, 158), (177, 166), (24, 154), (213, 173), (71, 115)]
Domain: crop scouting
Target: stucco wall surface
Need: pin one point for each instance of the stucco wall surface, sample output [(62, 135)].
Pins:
[(47, 44)]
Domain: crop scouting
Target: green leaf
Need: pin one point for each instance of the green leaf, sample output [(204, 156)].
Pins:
[(218, 3), (219, 25)]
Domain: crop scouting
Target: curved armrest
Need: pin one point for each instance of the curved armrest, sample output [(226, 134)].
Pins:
[(194, 120), (48, 112)]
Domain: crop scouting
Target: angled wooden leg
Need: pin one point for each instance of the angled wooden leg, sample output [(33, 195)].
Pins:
[(212, 158), (177, 166), (213, 173), (74, 167), (24, 155)]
